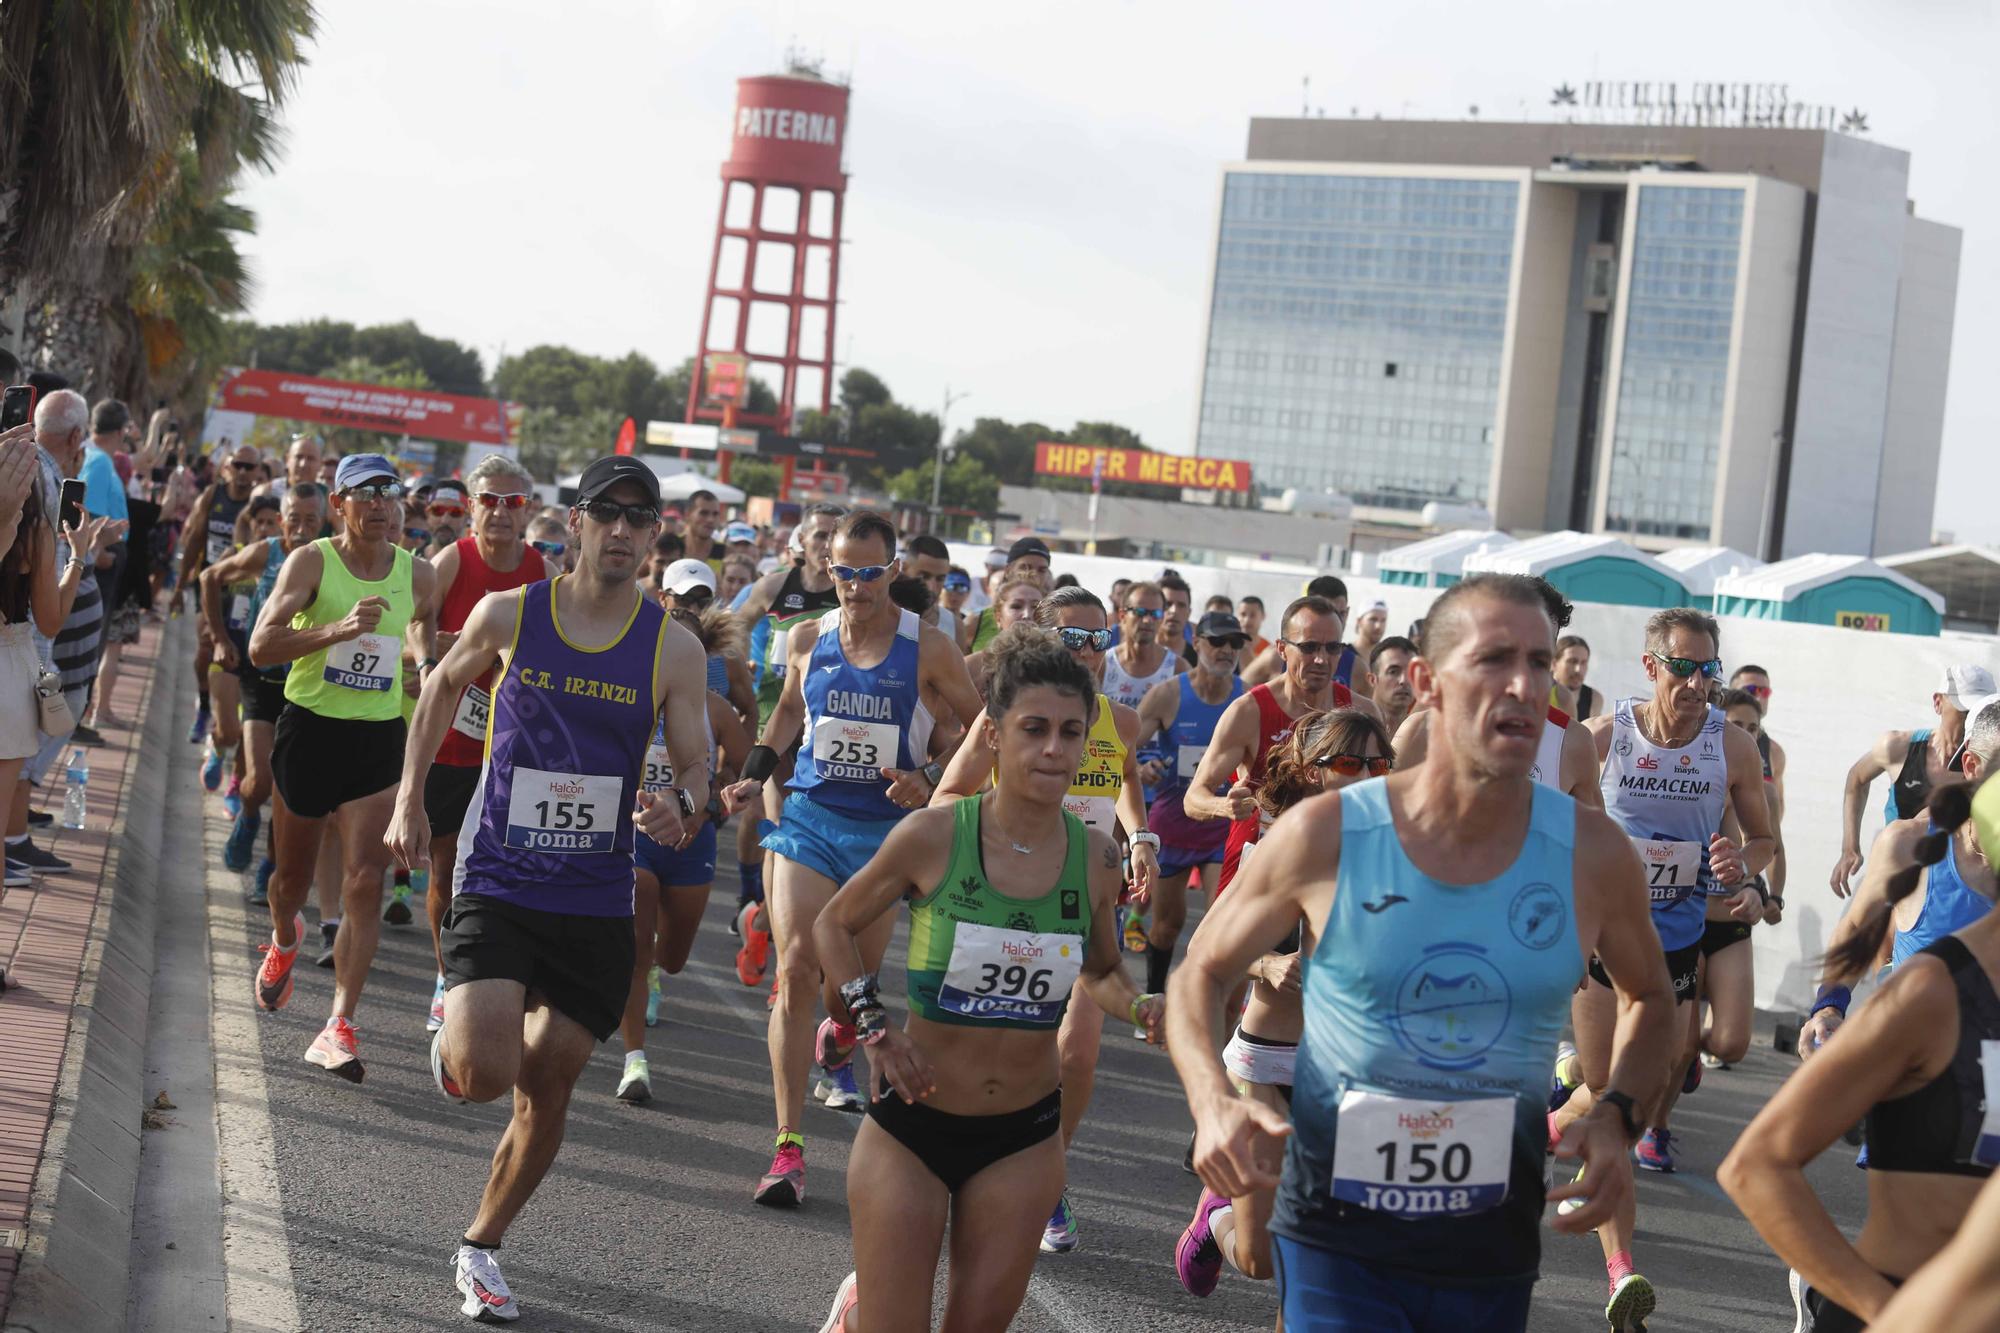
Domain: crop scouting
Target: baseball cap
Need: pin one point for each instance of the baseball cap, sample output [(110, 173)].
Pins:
[(607, 472), (451, 490), (1218, 625), (739, 532), (1965, 685), (684, 576), (996, 559), (356, 469), (1027, 546), (958, 581)]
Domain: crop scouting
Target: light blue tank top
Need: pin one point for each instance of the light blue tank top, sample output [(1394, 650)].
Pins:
[(1950, 905), (1669, 800), (1432, 1011), (860, 721)]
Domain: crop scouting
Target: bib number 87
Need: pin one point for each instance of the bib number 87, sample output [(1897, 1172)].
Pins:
[(1014, 980), (566, 815), (1425, 1162), (365, 663)]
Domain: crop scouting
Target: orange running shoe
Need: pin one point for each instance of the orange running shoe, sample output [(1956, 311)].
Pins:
[(274, 974), (753, 956)]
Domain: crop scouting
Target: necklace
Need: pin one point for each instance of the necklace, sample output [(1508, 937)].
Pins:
[(1667, 741), (1018, 846)]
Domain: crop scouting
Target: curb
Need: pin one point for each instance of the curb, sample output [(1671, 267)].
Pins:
[(76, 1268)]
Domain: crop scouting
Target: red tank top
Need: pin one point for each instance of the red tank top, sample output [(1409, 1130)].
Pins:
[(1274, 724), (476, 578)]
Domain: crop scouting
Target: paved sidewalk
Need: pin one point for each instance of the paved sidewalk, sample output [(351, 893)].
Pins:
[(45, 934)]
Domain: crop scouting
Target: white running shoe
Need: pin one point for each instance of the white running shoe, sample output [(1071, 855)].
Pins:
[(436, 1018), (843, 1302), (486, 1296), (636, 1087)]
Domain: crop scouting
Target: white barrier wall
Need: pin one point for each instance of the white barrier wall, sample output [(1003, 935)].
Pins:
[(1834, 692)]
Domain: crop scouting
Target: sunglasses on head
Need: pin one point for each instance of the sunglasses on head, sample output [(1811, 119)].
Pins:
[(494, 500), (550, 548), (1352, 765), (446, 511), (610, 511), (1226, 640), (1684, 667), (1313, 647), (376, 490), (1144, 612), (1078, 640), (858, 573)]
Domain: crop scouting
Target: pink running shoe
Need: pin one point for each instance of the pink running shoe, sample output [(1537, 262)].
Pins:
[(784, 1185), (274, 974), (337, 1050), (1198, 1259), (843, 1305)]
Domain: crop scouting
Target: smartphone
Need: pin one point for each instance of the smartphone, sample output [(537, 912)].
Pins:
[(70, 509), (17, 407)]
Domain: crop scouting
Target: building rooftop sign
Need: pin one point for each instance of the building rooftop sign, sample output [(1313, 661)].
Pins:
[(1155, 469), (1749, 105)]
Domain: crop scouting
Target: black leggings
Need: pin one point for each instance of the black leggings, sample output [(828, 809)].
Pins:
[(955, 1148)]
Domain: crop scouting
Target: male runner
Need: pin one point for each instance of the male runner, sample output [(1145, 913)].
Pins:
[(1271, 664), (1920, 758), (1185, 711), (1572, 661), (1453, 906), (302, 460), (1370, 628), (1250, 614), (1142, 658), (538, 940), (1175, 635), (704, 516), (1756, 682), (1028, 555), (1389, 674), (446, 511), (495, 558), (342, 612), (210, 535), (928, 559), (851, 699)]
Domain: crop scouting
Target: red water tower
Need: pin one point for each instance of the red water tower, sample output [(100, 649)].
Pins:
[(774, 276)]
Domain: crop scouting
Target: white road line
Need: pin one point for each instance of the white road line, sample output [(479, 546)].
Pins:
[(256, 1252)]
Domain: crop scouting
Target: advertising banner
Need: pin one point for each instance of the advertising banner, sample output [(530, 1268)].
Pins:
[(420, 412), (1097, 464)]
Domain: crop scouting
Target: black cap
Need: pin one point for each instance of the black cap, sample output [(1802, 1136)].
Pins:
[(1027, 546), (1218, 625), (608, 472)]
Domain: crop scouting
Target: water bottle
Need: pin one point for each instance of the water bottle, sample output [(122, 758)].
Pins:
[(79, 780)]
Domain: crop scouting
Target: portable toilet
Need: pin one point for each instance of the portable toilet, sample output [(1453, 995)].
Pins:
[(1700, 566), (1586, 567), (1435, 562), (1850, 591)]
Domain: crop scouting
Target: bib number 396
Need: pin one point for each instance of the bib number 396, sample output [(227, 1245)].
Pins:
[(563, 813), (1412, 1159), (999, 973)]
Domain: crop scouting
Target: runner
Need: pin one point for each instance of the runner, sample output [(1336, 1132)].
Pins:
[(302, 457), (1464, 879), (1920, 760), (342, 612), (965, 1102), (1184, 711), (1572, 661), (929, 560), (1106, 794), (1726, 979), (860, 769), (1142, 658), (228, 628), (1756, 682), (1370, 628), (1389, 678), (1029, 555), (538, 939), (1325, 752), (1176, 636), (1015, 598), (704, 516), (1914, 1066), (1250, 614), (1271, 664), (211, 535), (495, 558)]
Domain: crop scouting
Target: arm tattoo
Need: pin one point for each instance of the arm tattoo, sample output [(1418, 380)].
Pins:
[(1110, 857)]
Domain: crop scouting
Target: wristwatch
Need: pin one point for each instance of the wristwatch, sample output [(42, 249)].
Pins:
[(1144, 838), (934, 774), (1628, 1112)]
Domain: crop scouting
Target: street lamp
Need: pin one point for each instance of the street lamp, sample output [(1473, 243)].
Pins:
[(937, 471)]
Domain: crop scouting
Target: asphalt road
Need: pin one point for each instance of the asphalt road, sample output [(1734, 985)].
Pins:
[(645, 1221)]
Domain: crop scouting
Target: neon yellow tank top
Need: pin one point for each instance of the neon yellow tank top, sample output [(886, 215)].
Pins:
[(362, 678), (1093, 797)]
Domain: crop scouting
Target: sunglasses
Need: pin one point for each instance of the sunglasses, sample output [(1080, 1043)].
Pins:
[(610, 511), (1757, 691), (1235, 641), (858, 573), (416, 534), (494, 500), (695, 596), (550, 548), (1352, 765), (1313, 647), (958, 585), (1144, 612), (1684, 667), (242, 466), (1078, 640), (374, 491), (446, 511)]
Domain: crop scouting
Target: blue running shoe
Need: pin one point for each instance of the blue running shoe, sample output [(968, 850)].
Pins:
[(200, 727), (1655, 1151), (653, 997), (1060, 1236), (841, 1093), (232, 798), (243, 841), (260, 892), (211, 769)]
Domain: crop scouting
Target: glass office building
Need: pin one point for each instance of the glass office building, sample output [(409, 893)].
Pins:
[(1676, 335)]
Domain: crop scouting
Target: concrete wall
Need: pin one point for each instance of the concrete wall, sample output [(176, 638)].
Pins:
[(1850, 326), (1823, 721), (1200, 526), (1767, 280), (1532, 357), (1913, 430)]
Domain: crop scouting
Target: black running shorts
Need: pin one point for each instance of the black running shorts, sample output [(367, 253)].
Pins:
[(447, 791), (1681, 965), (263, 696), (955, 1148), (322, 763), (582, 965), (1719, 935)]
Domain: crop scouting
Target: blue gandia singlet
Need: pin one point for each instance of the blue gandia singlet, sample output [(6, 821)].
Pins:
[(1431, 1013), (1183, 745), (550, 823), (859, 721), (1950, 905), (1669, 800)]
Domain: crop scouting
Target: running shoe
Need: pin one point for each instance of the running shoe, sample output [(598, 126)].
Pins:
[(843, 1302), (1631, 1302), (1655, 1150), (211, 767), (1692, 1079), (274, 974), (753, 956), (397, 913), (652, 997), (260, 891), (1135, 931), (784, 1185), (329, 931), (200, 727), (40, 818), (446, 1084), (826, 1047), (435, 1020), (18, 876), (232, 797), (243, 841), (842, 1095), (1198, 1259), (1568, 1076), (636, 1086), (1061, 1235), (38, 860), (1712, 1061), (487, 1299), (1568, 1206), (337, 1050)]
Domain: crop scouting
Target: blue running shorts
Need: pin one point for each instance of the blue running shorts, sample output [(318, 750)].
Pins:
[(676, 870), (823, 840), (1324, 1292)]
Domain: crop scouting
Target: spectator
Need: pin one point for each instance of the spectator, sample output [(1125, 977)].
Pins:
[(104, 497), (29, 605)]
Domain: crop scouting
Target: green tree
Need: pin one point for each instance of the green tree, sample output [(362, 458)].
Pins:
[(966, 485), (899, 436), (755, 476), (860, 389)]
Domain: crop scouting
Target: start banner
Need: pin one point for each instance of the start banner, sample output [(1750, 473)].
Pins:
[(1140, 465), (424, 413)]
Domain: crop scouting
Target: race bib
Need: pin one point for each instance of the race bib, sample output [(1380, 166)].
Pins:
[(218, 546), (1414, 1159), (239, 610), (1672, 868), (1018, 974), (1096, 812), (475, 707), (848, 750), (364, 662), (659, 772), (1986, 1151), (1188, 761), (780, 646), (563, 813)]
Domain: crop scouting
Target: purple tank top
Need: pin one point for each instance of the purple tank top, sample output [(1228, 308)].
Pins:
[(550, 825)]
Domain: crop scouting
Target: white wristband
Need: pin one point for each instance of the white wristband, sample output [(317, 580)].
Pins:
[(1145, 838)]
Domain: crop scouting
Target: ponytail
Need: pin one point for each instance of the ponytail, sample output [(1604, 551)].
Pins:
[(1949, 807)]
